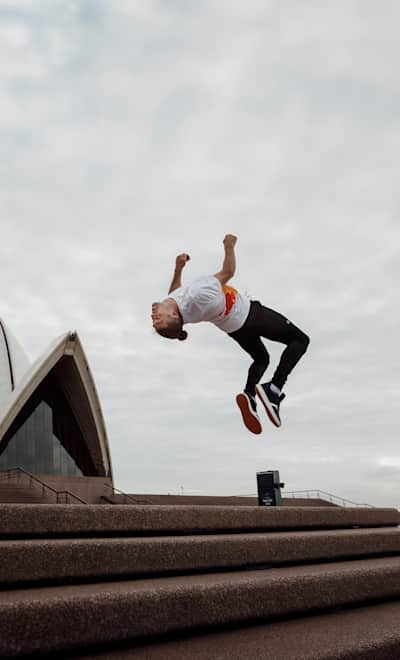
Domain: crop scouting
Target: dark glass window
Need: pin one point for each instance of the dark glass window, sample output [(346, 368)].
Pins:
[(45, 437)]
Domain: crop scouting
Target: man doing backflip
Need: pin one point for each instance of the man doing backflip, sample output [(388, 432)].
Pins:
[(210, 299)]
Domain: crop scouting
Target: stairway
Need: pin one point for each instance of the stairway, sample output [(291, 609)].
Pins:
[(15, 492), (19, 486), (169, 582)]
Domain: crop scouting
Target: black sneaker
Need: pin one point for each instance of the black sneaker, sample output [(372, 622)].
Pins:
[(271, 402), (248, 408)]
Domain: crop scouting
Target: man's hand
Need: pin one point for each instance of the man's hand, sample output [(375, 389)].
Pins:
[(229, 265), (181, 260), (230, 240), (180, 263)]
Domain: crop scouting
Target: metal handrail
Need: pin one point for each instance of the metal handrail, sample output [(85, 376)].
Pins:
[(317, 494), (33, 478), (323, 495), (126, 496)]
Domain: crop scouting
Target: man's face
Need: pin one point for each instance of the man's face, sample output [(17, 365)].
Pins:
[(159, 315)]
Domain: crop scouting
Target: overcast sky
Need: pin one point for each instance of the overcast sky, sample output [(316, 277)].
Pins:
[(133, 130)]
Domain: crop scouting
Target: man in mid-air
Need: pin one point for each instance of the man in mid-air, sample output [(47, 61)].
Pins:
[(210, 299)]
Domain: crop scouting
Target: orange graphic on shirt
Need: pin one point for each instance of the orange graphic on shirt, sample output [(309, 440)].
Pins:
[(230, 298)]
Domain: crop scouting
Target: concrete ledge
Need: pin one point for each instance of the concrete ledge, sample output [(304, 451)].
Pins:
[(51, 619), (370, 633), (77, 560), (21, 520), (219, 500)]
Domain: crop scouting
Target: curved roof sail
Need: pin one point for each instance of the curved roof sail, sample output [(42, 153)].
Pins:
[(63, 367), (13, 362)]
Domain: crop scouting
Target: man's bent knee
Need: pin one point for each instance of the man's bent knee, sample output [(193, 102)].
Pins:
[(302, 340), (305, 341)]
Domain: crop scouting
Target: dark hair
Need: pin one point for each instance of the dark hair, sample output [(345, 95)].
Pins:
[(174, 330), (182, 335)]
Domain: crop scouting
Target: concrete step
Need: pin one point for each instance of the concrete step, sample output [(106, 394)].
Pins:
[(306, 501), (21, 521), (11, 492), (218, 500), (24, 498), (71, 617), (369, 633), (73, 560)]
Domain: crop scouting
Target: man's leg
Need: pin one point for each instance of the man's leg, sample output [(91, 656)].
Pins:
[(275, 327), (254, 346), (246, 400), (267, 323)]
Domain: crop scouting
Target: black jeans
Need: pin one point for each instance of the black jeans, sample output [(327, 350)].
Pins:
[(264, 322)]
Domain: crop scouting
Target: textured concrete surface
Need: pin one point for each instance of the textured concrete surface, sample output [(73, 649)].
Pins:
[(211, 500), (21, 520), (11, 492), (78, 559), (371, 633), (119, 548), (89, 489), (51, 619)]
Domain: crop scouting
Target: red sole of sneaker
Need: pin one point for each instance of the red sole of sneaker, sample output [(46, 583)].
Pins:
[(271, 418), (251, 422)]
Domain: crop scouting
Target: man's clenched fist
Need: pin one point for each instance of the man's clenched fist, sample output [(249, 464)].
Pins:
[(181, 260), (230, 240)]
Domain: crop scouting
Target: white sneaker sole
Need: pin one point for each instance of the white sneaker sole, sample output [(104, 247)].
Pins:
[(268, 407), (250, 419)]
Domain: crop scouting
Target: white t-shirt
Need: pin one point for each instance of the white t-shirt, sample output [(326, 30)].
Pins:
[(206, 299)]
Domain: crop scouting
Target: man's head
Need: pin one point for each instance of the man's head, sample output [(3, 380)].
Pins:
[(167, 320)]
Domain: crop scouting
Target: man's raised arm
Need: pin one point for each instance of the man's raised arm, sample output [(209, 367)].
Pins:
[(180, 263), (229, 265)]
